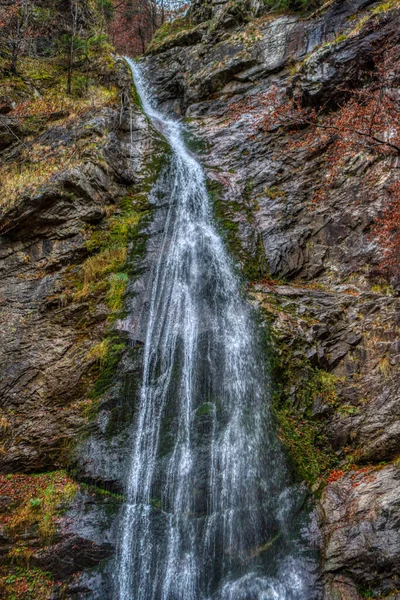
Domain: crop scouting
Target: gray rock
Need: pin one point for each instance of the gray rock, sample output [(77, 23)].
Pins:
[(334, 322), (44, 353), (360, 516)]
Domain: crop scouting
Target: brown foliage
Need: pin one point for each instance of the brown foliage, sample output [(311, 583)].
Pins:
[(135, 22), (133, 25)]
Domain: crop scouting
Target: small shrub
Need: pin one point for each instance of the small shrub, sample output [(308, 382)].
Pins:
[(20, 555), (116, 291), (36, 502)]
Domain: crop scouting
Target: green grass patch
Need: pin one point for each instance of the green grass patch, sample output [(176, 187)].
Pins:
[(36, 502), (306, 444), (22, 583), (105, 271)]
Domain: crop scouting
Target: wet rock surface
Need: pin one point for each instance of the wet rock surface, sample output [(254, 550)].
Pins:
[(86, 536), (354, 337)]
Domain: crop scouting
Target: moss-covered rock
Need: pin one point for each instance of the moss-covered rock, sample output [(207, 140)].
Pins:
[(234, 219), (180, 32)]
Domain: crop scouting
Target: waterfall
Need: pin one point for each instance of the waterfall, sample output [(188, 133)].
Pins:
[(209, 507)]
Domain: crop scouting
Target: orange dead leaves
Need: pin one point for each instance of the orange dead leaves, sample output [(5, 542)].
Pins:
[(334, 476)]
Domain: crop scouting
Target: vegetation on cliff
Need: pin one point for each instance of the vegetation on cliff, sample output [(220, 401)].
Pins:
[(66, 110), (57, 69), (311, 155), (31, 511)]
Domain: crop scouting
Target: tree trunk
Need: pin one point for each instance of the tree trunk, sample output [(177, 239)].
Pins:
[(140, 31), (74, 12), (14, 59)]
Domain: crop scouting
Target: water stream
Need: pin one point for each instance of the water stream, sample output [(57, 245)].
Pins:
[(210, 511)]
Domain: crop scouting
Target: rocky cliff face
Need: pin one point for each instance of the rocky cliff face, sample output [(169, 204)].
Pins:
[(69, 242), (310, 266)]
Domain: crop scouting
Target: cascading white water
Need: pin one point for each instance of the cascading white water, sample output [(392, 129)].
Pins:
[(208, 503)]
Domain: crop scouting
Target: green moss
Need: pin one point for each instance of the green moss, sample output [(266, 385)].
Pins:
[(116, 231), (171, 27), (105, 271), (293, 6), (136, 98), (365, 591), (194, 143), (158, 160), (106, 370), (386, 6), (253, 266), (348, 409), (102, 492), (205, 409), (297, 385), (382, 287), (116, 291), (41, 71), (303, 438), (35, 502), (274, 192), (168, 32), (124, 233), (155, 503), (124, 410)]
